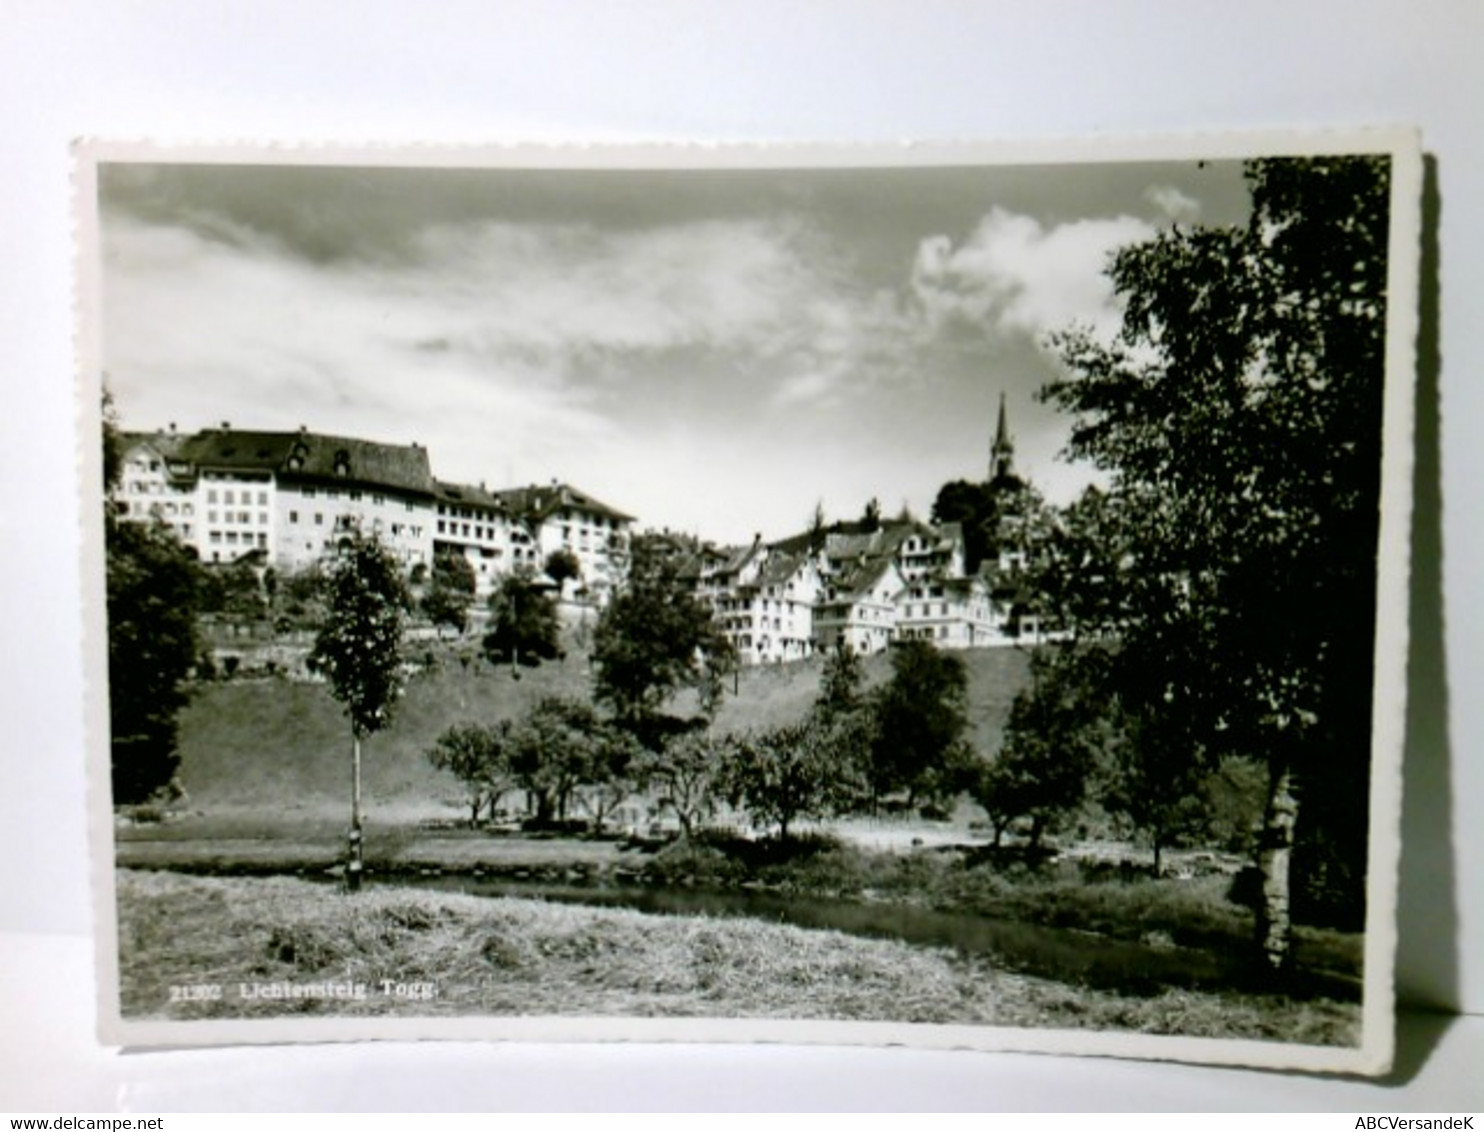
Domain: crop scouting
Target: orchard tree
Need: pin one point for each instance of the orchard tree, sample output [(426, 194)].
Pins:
[(553, 749), (613, 772), (1238, 417), (686, 773), (358, 650), (478, 756), (792, 771), (655, 637)]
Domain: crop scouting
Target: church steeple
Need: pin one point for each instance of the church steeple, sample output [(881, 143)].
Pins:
[(1002, 451)]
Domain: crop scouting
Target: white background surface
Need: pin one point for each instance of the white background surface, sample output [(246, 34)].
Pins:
[(489, 71)]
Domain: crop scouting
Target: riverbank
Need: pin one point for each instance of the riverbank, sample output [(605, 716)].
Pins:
[(259, 938), (1168, 917)]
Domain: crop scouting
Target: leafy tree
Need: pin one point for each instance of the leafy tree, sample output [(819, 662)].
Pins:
[(1157, 780), (655, 637), (234, 591), (450, 594), (871, 516), (553, 749), (840, 683), (793, 771), (562, 566), (686, 774), (153, 587), (612, 773), (1235, 791), (153, 594), (1239, 416), (358, 650), (817, 526), (299, 599), (920, 722), (524, 628), (478, 756), (1051, 738)]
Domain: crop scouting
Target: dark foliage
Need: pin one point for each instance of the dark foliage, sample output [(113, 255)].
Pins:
[(524, 628), (655, 637)]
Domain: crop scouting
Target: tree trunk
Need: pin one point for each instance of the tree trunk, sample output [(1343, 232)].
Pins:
[(354, 861), (1157, 848), (1274, 851)]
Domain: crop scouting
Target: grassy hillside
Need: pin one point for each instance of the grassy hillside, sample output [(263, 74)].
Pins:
[(277, 742)]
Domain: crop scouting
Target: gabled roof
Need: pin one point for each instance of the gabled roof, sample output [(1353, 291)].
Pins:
[(314, 456), (538, 502), (780, 567), (850, 585), (467, 495), (167, 443)]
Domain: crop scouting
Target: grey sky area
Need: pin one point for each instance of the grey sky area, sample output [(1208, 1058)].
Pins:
[(712, 351)]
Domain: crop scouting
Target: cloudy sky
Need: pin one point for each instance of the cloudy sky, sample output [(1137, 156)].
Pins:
[(712, 351)]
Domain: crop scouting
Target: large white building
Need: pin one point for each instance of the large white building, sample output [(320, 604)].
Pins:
[(286, 498)]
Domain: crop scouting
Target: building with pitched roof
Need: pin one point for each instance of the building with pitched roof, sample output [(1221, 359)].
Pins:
[(280, 497), (477, 524), (559, 517), (286, 498), (857, 607)]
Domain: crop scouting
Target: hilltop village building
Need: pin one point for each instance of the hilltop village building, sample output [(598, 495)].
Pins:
[(865, 584), (285, 499)]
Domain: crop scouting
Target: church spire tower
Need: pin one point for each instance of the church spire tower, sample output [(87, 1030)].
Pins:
[(1002, 451)]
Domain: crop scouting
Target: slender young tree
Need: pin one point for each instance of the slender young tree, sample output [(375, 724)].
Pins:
[(358, 650)]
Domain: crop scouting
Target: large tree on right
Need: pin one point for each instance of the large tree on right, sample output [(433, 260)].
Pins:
[(1238, 415)]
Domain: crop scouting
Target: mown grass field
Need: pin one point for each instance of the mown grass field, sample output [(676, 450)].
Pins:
[(521, 957)]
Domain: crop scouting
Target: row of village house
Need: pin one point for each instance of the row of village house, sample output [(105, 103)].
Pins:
[(286, 498)]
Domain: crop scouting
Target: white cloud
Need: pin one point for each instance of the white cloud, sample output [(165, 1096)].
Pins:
[(1177, 205), (1015, 274)]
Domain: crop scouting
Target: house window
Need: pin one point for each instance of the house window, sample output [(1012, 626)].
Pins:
[(293, 516), (262, 499), (228, 498), (211, 497), (319, 519)]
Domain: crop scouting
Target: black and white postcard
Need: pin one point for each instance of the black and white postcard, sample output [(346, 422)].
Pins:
[(946, 595)]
